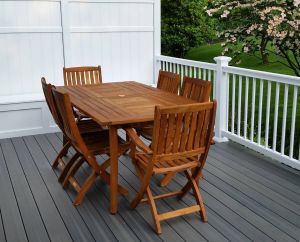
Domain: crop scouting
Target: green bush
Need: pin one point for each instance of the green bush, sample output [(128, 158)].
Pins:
[(184, 25)]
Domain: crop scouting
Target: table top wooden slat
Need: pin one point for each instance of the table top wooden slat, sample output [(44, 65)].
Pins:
[(120, 103)]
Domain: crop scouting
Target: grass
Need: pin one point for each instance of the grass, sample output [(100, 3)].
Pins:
[(208, 52)]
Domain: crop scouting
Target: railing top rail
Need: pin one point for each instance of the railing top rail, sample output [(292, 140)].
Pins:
[(179, 61), (286, 79)]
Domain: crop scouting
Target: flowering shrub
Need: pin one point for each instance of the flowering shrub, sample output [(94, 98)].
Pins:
[(250, 26)]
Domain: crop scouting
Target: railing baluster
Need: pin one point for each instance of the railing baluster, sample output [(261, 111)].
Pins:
[(214, 85), (292, 137), (253, 109), (276, 116), (261, 89), (286, 94), (268, 114), (190, 72), (246, 108), (227, 101), (233, 103), (181, 73), (195, 72), (204, 74), (239, 106)]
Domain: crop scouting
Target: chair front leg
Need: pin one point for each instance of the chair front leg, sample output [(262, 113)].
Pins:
[(197, 174), (72, 171), (65, 141), (197, 195), (166, 179), (145, 181), (67, 167), (85, 187), (153, 210), (61, 153)]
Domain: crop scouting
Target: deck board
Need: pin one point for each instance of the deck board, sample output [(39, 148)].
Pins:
[(11, 217), (32, 220), (247, 197)]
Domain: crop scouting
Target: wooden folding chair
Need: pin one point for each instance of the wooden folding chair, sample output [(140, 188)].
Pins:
[(181, 141), (87, 146), (85, 126), (169, 82), (197, 90), (83, 75)]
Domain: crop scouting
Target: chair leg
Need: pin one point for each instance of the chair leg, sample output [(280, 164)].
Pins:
[(65, 141), (67, 167), (153, 210), (167, 178), (189, 185), (145, 180), (61, 154), (197, 195), (85, 187), (72, 172)]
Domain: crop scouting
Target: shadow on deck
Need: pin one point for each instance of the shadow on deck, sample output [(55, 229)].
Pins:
[(246, 197)]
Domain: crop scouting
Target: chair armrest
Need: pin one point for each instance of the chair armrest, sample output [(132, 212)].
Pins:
[(137, 141)]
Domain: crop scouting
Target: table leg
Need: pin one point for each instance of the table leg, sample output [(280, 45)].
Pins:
[(113, 143)]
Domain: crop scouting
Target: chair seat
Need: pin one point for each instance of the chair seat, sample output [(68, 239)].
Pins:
[(146, 131), (98, 143), (88, 126), (167, 165)]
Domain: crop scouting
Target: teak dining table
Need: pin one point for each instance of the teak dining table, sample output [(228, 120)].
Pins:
[(116, 105)]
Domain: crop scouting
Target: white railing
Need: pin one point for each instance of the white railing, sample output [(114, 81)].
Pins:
[(257, 109), (203, 70)]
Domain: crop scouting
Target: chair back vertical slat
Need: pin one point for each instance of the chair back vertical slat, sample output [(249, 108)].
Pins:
[(191, 136), (178, 130), (196, 89), (185, 129), (162, 133), (170, 133), (168, 82), (86, 75), (182, 130), (78, 79)]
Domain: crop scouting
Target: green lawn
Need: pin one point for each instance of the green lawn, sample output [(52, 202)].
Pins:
[(208, 52)]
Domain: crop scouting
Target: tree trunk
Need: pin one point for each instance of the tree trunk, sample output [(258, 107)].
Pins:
[(263, 53)]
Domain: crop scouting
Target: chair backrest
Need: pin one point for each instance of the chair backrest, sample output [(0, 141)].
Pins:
[(65, 111), (168, 82), (183, 131), (47, 89), (196, 89), (84, 75)]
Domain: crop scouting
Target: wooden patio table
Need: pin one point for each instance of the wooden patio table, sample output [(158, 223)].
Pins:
[(118, 105)]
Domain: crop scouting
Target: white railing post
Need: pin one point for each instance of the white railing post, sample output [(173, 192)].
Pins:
[(221, 82), (157, 39)]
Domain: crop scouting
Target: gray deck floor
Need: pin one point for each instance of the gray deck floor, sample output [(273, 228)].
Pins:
[(247, 199)]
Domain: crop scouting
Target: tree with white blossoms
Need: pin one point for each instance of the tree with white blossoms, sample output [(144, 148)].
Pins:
[(259, 26)]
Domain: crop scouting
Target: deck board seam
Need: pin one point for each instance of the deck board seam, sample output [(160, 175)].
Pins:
[(96, 185), (251, 169), (38, 209), (12, 185), (49, 162), (47, 189), (257, 190), (250, 208), (86, 198)]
